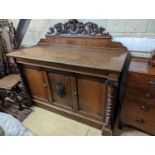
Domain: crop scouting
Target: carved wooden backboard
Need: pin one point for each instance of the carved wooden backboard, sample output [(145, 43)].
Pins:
[(77, 33)]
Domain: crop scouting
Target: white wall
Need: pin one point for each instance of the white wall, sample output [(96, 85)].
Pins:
[(143, 30)]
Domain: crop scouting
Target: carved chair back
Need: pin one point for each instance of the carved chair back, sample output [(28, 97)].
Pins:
[(7, 44), (12, 90)]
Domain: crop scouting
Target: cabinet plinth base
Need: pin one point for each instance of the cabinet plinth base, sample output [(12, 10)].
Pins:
[(106, 131)]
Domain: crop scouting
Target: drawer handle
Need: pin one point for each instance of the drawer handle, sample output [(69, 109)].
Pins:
[(144, 108), (151, 84), (148, 96), (75, 92), (140, 120), (45, 85)]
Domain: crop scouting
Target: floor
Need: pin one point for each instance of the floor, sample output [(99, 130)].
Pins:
[(46, 123)]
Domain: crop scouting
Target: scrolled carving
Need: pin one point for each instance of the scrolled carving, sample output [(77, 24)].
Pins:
[(2, 70), (74, 27), (4, 23), (60, 89), (11, 97)]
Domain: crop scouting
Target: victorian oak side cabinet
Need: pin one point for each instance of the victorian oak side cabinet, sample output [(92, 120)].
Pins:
[(77, 76)]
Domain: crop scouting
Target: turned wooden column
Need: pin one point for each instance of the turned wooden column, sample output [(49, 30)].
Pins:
[(110, 104)]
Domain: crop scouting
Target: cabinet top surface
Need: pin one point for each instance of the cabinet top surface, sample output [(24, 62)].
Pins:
[(97, 58), (141, 66)]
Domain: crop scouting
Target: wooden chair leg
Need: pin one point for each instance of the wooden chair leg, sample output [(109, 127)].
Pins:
[(20, 102)]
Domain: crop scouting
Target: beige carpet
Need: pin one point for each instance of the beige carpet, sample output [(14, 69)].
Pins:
[(46, 123)]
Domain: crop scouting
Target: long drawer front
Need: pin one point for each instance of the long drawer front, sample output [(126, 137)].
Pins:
[(141, 94), (139, 115), (141, 81)]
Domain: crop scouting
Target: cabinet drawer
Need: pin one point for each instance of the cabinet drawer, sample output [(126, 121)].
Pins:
[(139, 119), (141, 94), (140, 80), (139, 107)]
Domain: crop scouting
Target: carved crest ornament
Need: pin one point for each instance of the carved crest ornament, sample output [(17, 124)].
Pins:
[(76, 28)]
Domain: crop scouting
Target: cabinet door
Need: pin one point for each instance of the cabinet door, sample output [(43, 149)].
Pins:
[(91, 96), (61, 89), (37, 84)]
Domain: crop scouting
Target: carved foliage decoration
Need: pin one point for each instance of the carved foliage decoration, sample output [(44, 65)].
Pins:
[(4, 23), (7, 33), (60, 89), (74, 27)]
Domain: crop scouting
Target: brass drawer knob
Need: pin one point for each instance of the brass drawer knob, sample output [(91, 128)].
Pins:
[(45, 85), (75, 92), (152, 84), (144, 108), (148, 96), (140, 120)]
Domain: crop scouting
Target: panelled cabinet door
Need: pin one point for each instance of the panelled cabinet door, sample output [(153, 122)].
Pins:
[(61, 89), (37, 84), (91, 97)]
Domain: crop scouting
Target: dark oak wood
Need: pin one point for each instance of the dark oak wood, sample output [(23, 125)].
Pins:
[(138, 109), (61, 89), (76, 76), (12, 90), (76, 28)]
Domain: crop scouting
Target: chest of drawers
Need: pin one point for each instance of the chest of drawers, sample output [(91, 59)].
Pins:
[(138, 108)]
